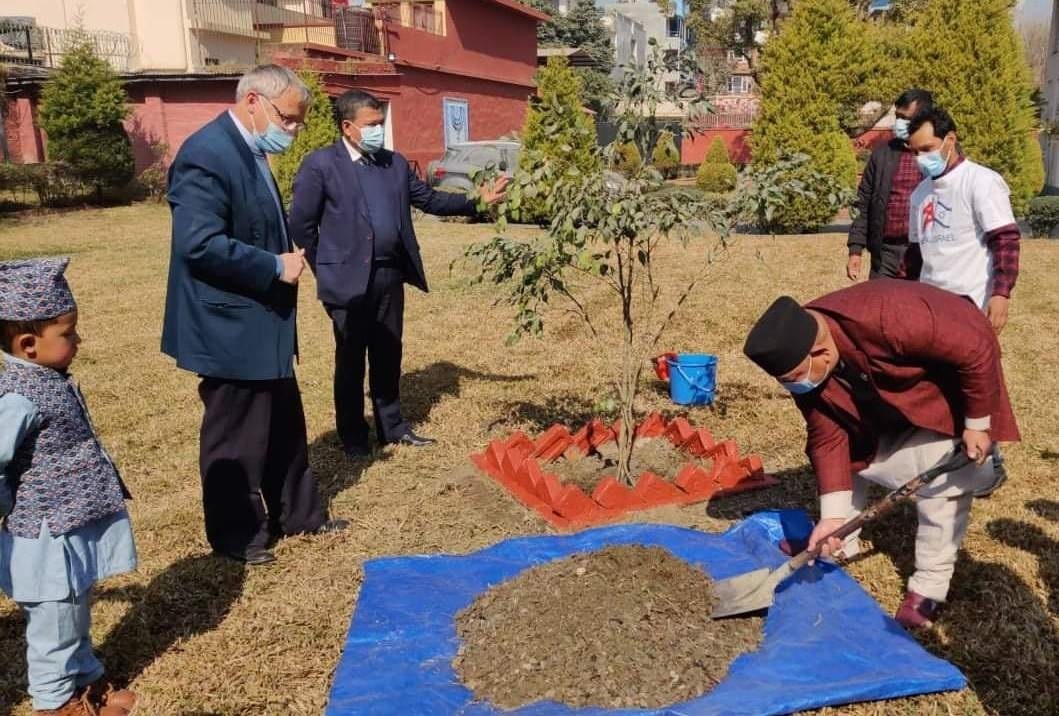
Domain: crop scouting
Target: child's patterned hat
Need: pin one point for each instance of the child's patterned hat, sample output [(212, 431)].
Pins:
[(34, 290)]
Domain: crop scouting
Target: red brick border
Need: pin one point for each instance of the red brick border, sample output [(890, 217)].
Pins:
[(518, 464)]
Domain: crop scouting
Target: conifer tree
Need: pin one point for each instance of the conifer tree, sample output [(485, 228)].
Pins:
[(970, 56), (82, 107), (717, 174), (665, 156), (557, 128), (815, 76), (717, 153), (320, 131)]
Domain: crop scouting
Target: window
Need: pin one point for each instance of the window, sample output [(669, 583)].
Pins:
[(676, 26), (740, 84)]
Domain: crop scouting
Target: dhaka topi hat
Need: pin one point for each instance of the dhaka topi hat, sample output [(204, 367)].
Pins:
[(782, 337), (34, 290)]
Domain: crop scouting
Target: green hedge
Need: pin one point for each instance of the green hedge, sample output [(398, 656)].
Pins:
[(717, 178), (52, 183), (1043, 215)]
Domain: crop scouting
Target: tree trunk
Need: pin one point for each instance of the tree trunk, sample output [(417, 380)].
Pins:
[(627, 384), (627, 398)]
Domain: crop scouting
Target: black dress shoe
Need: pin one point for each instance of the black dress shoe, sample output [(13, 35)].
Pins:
[(414, 440), (330, 527), (252, 557)]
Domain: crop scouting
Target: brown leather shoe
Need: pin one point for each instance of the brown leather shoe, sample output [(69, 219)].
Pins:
[(106, 696), (78, 705)]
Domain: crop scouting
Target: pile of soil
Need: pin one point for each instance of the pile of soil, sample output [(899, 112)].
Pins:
[(656, 455), (624, 627)]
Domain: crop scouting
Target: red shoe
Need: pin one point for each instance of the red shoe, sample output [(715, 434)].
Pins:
[(916, 612)]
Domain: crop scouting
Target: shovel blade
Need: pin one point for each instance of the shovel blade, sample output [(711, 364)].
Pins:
[(748, 592)]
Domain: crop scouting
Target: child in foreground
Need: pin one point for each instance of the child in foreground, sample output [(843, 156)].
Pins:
[(65, 524)]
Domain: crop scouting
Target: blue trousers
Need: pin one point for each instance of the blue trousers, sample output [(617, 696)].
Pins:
[(59, 652)]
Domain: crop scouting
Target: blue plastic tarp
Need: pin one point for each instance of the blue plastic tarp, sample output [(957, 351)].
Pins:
[(826, 641)]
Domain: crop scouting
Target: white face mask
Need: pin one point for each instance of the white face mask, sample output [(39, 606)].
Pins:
[(372, 138)]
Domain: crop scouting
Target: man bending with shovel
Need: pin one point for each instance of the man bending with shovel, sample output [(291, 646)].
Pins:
[(887, 373)]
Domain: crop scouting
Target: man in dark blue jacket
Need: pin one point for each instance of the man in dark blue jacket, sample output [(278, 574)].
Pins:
[(351, 213), (230, 318)]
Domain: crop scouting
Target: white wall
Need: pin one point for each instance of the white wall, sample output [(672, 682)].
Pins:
[(158, 28), (226, 48), (109, 15)]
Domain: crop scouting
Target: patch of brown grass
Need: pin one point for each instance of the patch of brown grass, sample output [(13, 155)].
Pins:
[(200, 636)]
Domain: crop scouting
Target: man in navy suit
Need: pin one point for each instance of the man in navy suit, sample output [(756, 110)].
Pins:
[(230, 318), (351, 213)]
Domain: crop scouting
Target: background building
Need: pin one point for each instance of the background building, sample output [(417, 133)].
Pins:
[(448, 69)]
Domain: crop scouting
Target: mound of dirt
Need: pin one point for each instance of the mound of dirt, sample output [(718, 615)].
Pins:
[(623, 627), (656, 455)]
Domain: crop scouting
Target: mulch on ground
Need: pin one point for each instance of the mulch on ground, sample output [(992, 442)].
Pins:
[(623, 627), (656, 455)]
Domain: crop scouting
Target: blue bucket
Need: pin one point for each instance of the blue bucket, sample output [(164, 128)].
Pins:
[(692, 378)]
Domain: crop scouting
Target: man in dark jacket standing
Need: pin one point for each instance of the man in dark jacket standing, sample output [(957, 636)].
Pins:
[(351, 213), (890, 177), (230, 318)]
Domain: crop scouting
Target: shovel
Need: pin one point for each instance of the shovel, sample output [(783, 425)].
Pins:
[(756, 590)]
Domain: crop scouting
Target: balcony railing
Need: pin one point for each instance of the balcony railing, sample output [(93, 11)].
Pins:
[(727, 120), (355, 29), (266, 20), (268, 23), (44, 47), (417, 14)]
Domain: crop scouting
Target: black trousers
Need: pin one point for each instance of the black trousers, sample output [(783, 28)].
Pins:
[(888, 264), (373, 328), (254, 461)]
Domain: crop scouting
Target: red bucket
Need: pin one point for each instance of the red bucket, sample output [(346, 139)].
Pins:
[(661, 365)]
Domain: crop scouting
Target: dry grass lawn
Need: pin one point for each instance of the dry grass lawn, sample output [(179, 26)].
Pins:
[(201, 636)]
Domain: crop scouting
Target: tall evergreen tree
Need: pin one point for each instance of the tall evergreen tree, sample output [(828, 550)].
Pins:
[(970, 56), (82, 107), (320, 130), (815, 76), (557, 129), (582, 27)]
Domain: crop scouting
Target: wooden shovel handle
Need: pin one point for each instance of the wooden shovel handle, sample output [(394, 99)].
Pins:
[(955, 461)]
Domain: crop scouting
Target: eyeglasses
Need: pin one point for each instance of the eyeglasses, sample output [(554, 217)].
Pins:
[(288, 123)]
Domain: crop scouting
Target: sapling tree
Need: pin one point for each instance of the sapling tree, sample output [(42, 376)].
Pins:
[(608, 230)]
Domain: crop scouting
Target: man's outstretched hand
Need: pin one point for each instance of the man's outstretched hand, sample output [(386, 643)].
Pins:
[(496, 191)]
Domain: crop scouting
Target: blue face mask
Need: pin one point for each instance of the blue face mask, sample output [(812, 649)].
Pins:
[(931, 164), (806, 385), (901, 128), (273, 140), (372, 138)]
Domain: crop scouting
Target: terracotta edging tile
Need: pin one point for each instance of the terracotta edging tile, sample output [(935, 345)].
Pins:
[(518, 463)]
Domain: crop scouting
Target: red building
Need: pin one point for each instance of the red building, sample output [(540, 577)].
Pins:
[(450, 70)]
